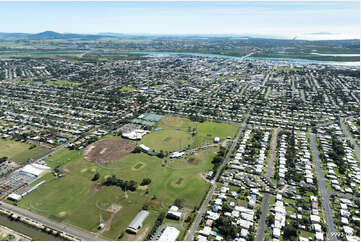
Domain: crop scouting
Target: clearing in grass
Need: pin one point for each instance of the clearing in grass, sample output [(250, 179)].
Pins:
[(19, 151)]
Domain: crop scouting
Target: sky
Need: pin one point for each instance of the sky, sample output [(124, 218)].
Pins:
[(303, 20)]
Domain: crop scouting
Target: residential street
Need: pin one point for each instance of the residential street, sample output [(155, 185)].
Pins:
[(349, 137), (331, 228), (203, 209), (266, 196)]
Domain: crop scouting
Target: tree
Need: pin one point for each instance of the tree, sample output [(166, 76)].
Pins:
[(290, 231), (226, 208), (226, 227), (217, 159), (145, 181), (270, 220), (3, 159), (137, 150), (96, 176), (179, 202), (132, 185), (161, 154)]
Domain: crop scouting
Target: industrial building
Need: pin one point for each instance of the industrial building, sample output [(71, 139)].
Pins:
[(169, 234), (137, 222)]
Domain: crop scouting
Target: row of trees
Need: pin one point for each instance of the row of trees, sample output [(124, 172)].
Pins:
[(125, 185)]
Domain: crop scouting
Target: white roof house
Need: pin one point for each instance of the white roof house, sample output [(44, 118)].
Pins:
[(344, 220), (174, 213), (315, 219), (177, 154), (276, 233), (319, 236), (169, 234), (206, 231), (317, 227), (347, 229)]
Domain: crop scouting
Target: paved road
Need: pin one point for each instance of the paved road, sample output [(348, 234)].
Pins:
[(52, 224), (349, 137), (331, 228), (265, 201), (203, 209)]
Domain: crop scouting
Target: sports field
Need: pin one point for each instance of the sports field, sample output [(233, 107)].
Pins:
[(64, 83), (77, 200), (19, 151), (167, 139)]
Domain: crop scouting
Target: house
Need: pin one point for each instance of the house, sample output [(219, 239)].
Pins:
[(244, 233), (317, 227), (202, 238), (206, 231), (319, 236), (210, 175), (216, 140), (315, 219), (137, 222), (344, 221), (276, 233), (177, 154), (173, 213)]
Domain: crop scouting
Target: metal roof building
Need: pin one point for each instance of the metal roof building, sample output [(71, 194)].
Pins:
[(137, 222), (169, 234)]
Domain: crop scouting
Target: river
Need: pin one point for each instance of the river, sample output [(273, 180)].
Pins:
[(165, 53)]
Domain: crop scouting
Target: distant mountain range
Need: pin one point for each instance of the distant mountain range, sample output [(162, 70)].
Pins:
[(55, 35), (51, 35)]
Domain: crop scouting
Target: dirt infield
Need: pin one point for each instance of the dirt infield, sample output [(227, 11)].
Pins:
[(108, 150)]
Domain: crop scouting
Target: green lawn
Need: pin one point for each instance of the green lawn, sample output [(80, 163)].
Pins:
[(19, 151), (167, 139), (76, 200), (73, 198), (203, 129), (127, 89), (64, 83)]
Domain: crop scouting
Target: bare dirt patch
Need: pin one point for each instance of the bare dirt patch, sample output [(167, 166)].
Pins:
[(66, 170), (114, 208), (83, 170), (143, 187), (204, 177), (96, 187), (62, 214), (108, 150)]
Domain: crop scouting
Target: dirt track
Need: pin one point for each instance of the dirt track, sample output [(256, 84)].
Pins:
[(108, 150)]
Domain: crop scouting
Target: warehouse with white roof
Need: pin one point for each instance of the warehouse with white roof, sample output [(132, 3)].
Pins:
[(169, 234)]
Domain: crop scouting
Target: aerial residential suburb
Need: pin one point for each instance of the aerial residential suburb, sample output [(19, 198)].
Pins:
[(180, 121)]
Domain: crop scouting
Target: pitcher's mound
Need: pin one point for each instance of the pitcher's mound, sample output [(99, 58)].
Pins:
[(108, 150)]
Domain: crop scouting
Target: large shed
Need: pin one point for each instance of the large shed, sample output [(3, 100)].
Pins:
[(169, 234), (137, 222)]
